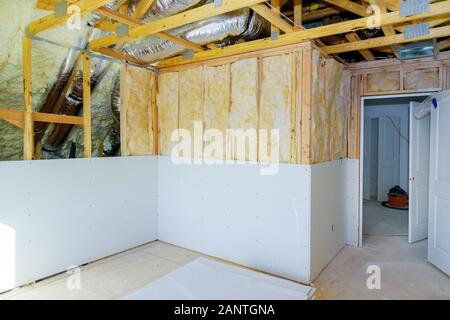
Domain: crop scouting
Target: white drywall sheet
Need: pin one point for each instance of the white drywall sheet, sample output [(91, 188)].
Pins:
[(206, 279), (328, 213), (352, 200), (60, 213), (235, 213)]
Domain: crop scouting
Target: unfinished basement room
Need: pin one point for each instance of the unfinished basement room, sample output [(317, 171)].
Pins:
[(260, 150)]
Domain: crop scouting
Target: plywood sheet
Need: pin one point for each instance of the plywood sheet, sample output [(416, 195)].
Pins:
[(244, 103), (167, 101), (422, 79), (275, 105), (216, 108), (191, 106), (139, 135), (383, 81)]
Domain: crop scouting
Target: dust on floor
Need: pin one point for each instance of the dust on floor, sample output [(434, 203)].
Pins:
[(404, 273)]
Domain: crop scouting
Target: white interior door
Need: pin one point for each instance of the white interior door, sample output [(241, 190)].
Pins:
[(439, 207), (388, 156), (419, 173)]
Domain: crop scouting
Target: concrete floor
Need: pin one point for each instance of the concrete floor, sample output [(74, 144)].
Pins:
[(379, 220), (404, 273)]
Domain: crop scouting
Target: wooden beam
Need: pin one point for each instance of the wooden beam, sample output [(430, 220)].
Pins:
[(28, 132), (276, 8), (436, 9), (135, 23), (265, 12), (123, 112), (432, 22), (387, 30), (319, 14), (15, 117), (119, 55), (444, 44), (385, 41), (298, 12), (51, 21), (353, 37), (46, 4), (351, 6), (87, 129), (57, 118), (142, 9), (177, 20)]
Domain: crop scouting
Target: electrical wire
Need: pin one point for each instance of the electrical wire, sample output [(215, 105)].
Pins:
[(397, 129)]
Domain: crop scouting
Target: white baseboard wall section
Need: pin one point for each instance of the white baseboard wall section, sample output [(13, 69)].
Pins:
[(51, 218), (290, 224), (235, 213)]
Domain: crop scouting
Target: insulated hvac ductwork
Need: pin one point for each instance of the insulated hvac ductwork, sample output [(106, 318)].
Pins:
[(238, 24), (222, 29)]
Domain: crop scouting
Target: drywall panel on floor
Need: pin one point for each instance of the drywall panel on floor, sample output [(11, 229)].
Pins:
[(60, 213), (206, 279), (328, 213), (235, 213)]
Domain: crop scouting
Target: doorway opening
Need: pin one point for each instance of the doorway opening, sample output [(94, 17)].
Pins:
[(385, 164)]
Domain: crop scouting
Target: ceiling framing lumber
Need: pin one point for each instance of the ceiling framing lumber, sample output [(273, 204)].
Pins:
[(444, 44), (142, 8), (387, 30), (265, 12), (135, 23), (319, 14), (177, 20), (432, 22), (16, 117), (50, 21), (298, 12), (390, 18), (386, 41), (351, 6), (353, 37)]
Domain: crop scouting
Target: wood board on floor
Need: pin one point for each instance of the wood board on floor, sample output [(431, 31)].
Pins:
[(206, 279)]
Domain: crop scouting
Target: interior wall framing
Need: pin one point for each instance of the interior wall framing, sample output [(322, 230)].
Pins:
[(292, 89), (386, 77)]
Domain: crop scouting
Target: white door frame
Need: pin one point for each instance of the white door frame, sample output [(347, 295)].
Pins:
[(361, 160)]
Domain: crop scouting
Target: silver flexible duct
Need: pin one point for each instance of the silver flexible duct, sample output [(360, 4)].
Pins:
[(225, 28), (244, 24), (114, 6), (238, 24), (164, 8)]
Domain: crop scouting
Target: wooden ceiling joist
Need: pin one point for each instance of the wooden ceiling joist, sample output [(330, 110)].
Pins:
[(386, 41), (16, 117), (319, 14), (135, 23), (350, 6), (353, 37), (177, 20), (444, 44), (142, 9), (265, 12), (50, 21), (390, 18)]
